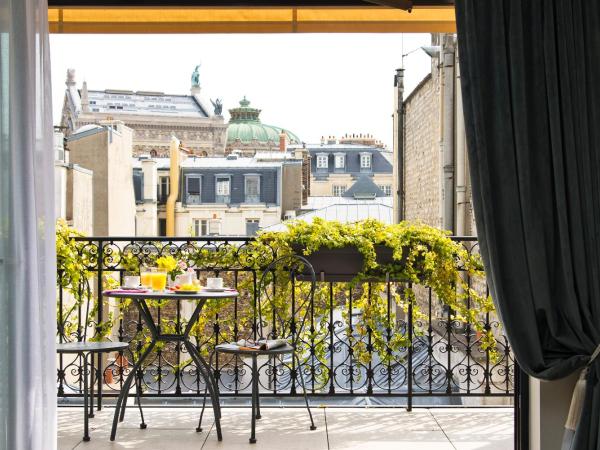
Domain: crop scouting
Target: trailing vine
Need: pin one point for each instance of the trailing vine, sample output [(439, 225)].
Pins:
[(422, 255)]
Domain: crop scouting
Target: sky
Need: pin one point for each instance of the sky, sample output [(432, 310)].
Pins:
[(312, 84)]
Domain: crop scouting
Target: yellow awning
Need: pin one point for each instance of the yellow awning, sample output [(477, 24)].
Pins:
[(251, 20)]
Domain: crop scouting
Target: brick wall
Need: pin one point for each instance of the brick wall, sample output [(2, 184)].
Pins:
[(422, 164)]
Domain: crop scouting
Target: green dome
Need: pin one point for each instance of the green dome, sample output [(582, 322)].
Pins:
[(246, 127)]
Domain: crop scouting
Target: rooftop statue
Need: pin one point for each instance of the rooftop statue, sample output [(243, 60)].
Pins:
[(196, 77), (218, 106)]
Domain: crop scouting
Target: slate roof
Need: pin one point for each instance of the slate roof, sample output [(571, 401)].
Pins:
[(364, 187), (144, 103), (380, 162)]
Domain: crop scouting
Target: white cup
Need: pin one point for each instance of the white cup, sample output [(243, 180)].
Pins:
[(131, 281), (214, 283)]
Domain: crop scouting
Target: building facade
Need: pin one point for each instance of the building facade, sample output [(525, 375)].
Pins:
[(105, 150), (336, 166), (152, 116), (433, 168), (231, 196)]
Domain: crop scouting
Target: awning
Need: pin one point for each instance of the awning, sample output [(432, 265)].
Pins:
[(251, 20)]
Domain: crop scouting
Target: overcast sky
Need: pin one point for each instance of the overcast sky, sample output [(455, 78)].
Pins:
[(312, 84)]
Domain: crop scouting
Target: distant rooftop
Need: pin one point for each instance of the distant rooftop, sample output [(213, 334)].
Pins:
[(345, 212), (144, 102), (212, 163)]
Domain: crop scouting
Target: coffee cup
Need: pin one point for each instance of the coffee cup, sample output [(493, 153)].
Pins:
[(131, 281), (214, 283)]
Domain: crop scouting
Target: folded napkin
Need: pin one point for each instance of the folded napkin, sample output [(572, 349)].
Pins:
[(127, 291), (261, 344)]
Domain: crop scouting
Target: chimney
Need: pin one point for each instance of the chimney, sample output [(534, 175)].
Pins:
[(85, 100), (282, 141), (70, 81)]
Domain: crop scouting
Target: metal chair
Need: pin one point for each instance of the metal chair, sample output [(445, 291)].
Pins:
[(292, 267), (85, 350)]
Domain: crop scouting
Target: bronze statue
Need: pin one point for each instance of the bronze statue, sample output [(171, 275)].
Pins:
[(196, 77), (218, 106)]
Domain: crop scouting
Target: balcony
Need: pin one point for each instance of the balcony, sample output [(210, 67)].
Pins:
[(344, 364), (337, 428)]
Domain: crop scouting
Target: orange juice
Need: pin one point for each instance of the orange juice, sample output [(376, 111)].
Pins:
[(159, 281), (146, 279)]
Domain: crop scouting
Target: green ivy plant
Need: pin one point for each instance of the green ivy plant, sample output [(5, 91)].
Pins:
[(422, 255)]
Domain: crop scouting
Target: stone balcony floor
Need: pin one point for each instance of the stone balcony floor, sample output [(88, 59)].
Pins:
[(287, 429)]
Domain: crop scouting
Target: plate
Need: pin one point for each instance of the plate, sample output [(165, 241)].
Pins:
[(215, 289), (127, 288), (179, 291)]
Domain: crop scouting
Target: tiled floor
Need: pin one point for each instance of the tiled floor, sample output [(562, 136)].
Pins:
[(287, 429)]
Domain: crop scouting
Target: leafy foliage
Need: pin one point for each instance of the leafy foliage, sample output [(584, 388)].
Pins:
[(422, 255)]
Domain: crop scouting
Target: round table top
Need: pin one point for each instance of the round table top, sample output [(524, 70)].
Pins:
[(202, 294)]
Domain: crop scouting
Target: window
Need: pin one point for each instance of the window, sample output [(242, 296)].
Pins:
[(162, 227), (322, 161), (365, 161), (340, 160), (252, 188), (387, 189), (163, 189), (339, 190), (252, 226), (193, 189), (201, 227), (222, 189)]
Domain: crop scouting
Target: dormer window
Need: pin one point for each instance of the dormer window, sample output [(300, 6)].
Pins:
[(322, 161), (252, 189), (365, 161), (340, 161), (222, 188), (193, 189)]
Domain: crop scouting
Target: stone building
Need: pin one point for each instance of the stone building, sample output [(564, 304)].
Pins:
[(247, 135), (105, 149), (336, 166), (231, 195), (153, 116), (73, 190), (432, 160)]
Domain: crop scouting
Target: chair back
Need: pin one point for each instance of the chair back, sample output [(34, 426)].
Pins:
[(286, 293), (83, 294)]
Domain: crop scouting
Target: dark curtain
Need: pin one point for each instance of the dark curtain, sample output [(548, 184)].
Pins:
[(530, 73)]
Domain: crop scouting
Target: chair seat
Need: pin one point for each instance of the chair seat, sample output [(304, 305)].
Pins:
[(228, 348), (91, 347)]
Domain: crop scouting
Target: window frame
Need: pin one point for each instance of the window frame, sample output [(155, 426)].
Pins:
[(336, 158), (188, 198), (366, 156), (342, 190), (322, 157), (162, 196), (222, 198), (198, 225), (250, 177)]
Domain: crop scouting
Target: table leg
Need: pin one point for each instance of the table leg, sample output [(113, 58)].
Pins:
[(86, 431), (212, 389), (254, 398), (125, 389)]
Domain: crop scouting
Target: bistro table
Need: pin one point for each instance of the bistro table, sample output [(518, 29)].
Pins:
[(140, 298)]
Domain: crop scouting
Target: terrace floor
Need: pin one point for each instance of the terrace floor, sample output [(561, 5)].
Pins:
[(287, 429)]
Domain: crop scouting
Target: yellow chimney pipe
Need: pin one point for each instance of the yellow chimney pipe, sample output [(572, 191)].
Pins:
[(174, 185)]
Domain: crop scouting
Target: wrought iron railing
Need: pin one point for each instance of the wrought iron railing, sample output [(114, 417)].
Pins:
[(446, 358)]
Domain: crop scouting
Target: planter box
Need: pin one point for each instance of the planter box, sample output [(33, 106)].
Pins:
[(343, 264)]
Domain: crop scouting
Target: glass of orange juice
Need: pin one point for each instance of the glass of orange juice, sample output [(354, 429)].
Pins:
[(146, 277), (159, 280)]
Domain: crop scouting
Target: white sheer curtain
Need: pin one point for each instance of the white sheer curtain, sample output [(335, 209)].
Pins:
[(27, 259)]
